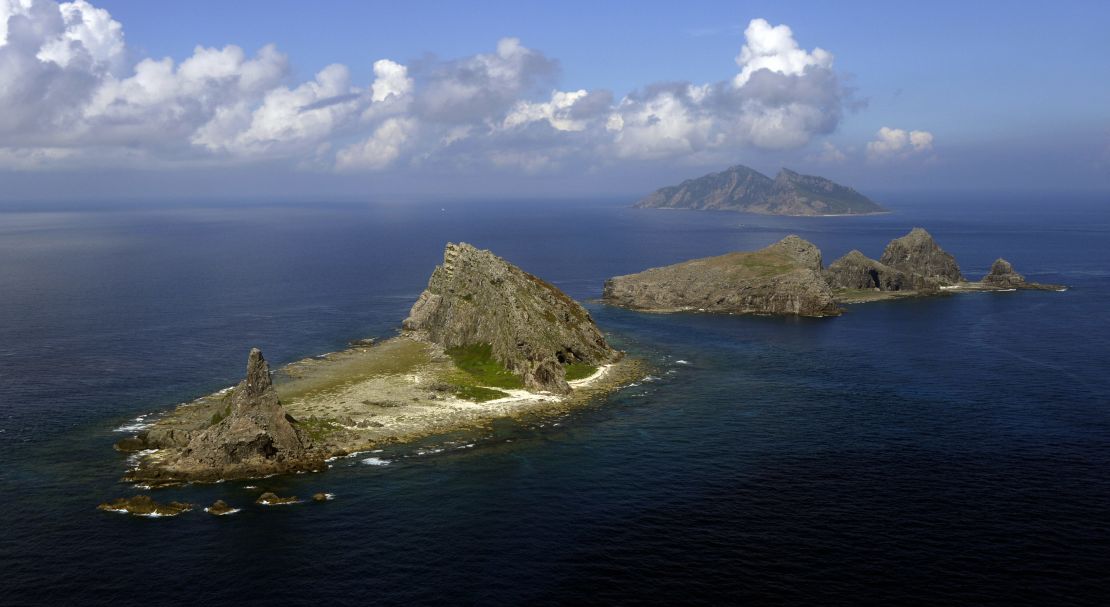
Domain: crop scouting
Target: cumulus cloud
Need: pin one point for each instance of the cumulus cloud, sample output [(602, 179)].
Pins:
[(897, 143), (70, 97)]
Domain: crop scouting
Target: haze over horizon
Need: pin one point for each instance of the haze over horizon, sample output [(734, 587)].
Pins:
[(208, 100)]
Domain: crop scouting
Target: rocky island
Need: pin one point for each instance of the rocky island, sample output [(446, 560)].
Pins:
[(788, 278), (485, 340), (740, 188)]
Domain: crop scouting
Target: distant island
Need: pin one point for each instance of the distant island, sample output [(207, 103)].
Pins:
[(484, 340), (789, 278), (740, 188)]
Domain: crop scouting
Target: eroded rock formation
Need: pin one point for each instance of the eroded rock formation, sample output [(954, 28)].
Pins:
[(255, 438), (533, 328), (925, 264), (857, 271)]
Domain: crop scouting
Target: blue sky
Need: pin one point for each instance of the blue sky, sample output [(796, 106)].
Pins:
[(1010, 94)]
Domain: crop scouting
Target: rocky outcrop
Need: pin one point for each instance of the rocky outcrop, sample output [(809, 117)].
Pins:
[(144, 505), (925, 264), (272, 499), (255, 438), (533, 329), (1003, 276), (740, 188), (857, 271), (784, 278), (220, 508)]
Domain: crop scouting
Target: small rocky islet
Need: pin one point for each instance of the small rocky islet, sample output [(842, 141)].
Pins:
[(484, 340), (788, 278)]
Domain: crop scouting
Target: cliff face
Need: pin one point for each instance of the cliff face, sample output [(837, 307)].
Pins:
[(533, 328), (923, 261), (740, 188), (857, 271), (255, 438), (784, 278)]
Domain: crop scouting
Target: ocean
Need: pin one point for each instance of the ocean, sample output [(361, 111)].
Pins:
[(945, 450)]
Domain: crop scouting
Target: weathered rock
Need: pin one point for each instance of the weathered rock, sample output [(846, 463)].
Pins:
[(257, 438), (740, 188), (220, 508), (1003, 276), (784, 278), (272, 499), (925, 264), (857, 271), (533, 328), (144, 505), (130, 444)]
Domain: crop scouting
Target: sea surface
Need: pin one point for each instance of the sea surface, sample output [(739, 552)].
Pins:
[(945, 450)]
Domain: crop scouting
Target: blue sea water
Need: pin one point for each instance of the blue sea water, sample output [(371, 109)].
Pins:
[(947, 450)]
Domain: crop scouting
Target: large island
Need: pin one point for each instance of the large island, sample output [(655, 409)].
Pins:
[(740, 188)]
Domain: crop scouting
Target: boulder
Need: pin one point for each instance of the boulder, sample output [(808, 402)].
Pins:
[(219, 508), (272, 499)]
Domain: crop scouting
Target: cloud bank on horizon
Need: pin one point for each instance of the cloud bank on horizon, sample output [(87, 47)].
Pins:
[(72, 99)]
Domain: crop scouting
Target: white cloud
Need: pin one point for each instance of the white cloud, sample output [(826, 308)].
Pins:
[(897, 143), (380, 150), (774, 49), (69, 97)]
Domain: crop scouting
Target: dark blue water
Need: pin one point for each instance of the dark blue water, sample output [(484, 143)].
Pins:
[(944, 450)]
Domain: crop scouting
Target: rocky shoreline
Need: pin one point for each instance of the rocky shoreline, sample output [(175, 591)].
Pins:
[(486, 340), (789, 278)]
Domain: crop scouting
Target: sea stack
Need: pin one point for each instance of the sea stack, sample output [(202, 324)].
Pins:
[(477, 298), (783, 278), (927, 266), (255, 437)]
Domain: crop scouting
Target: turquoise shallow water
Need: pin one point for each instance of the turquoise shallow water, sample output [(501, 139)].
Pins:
[(953, 449)]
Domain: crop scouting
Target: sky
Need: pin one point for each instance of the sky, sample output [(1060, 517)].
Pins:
[(137, 100)]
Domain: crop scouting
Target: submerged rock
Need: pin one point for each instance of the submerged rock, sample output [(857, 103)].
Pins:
[(144, 505), (256, 438), (272, 499), (783, 278), (857, 271), (926, 265), (320, 497), (533, 329)]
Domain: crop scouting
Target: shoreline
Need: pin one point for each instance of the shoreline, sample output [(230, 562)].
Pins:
[(363, 398)]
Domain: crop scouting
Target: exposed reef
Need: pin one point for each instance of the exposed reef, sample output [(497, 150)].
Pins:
[(788, 278), (475, 298), (144, 505), (741, 188)]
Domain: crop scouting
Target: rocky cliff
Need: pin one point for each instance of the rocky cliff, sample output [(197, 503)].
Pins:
[(255, 437), (926, 265), (784, 278), (740, 188), (534, 329), (857, 271)]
